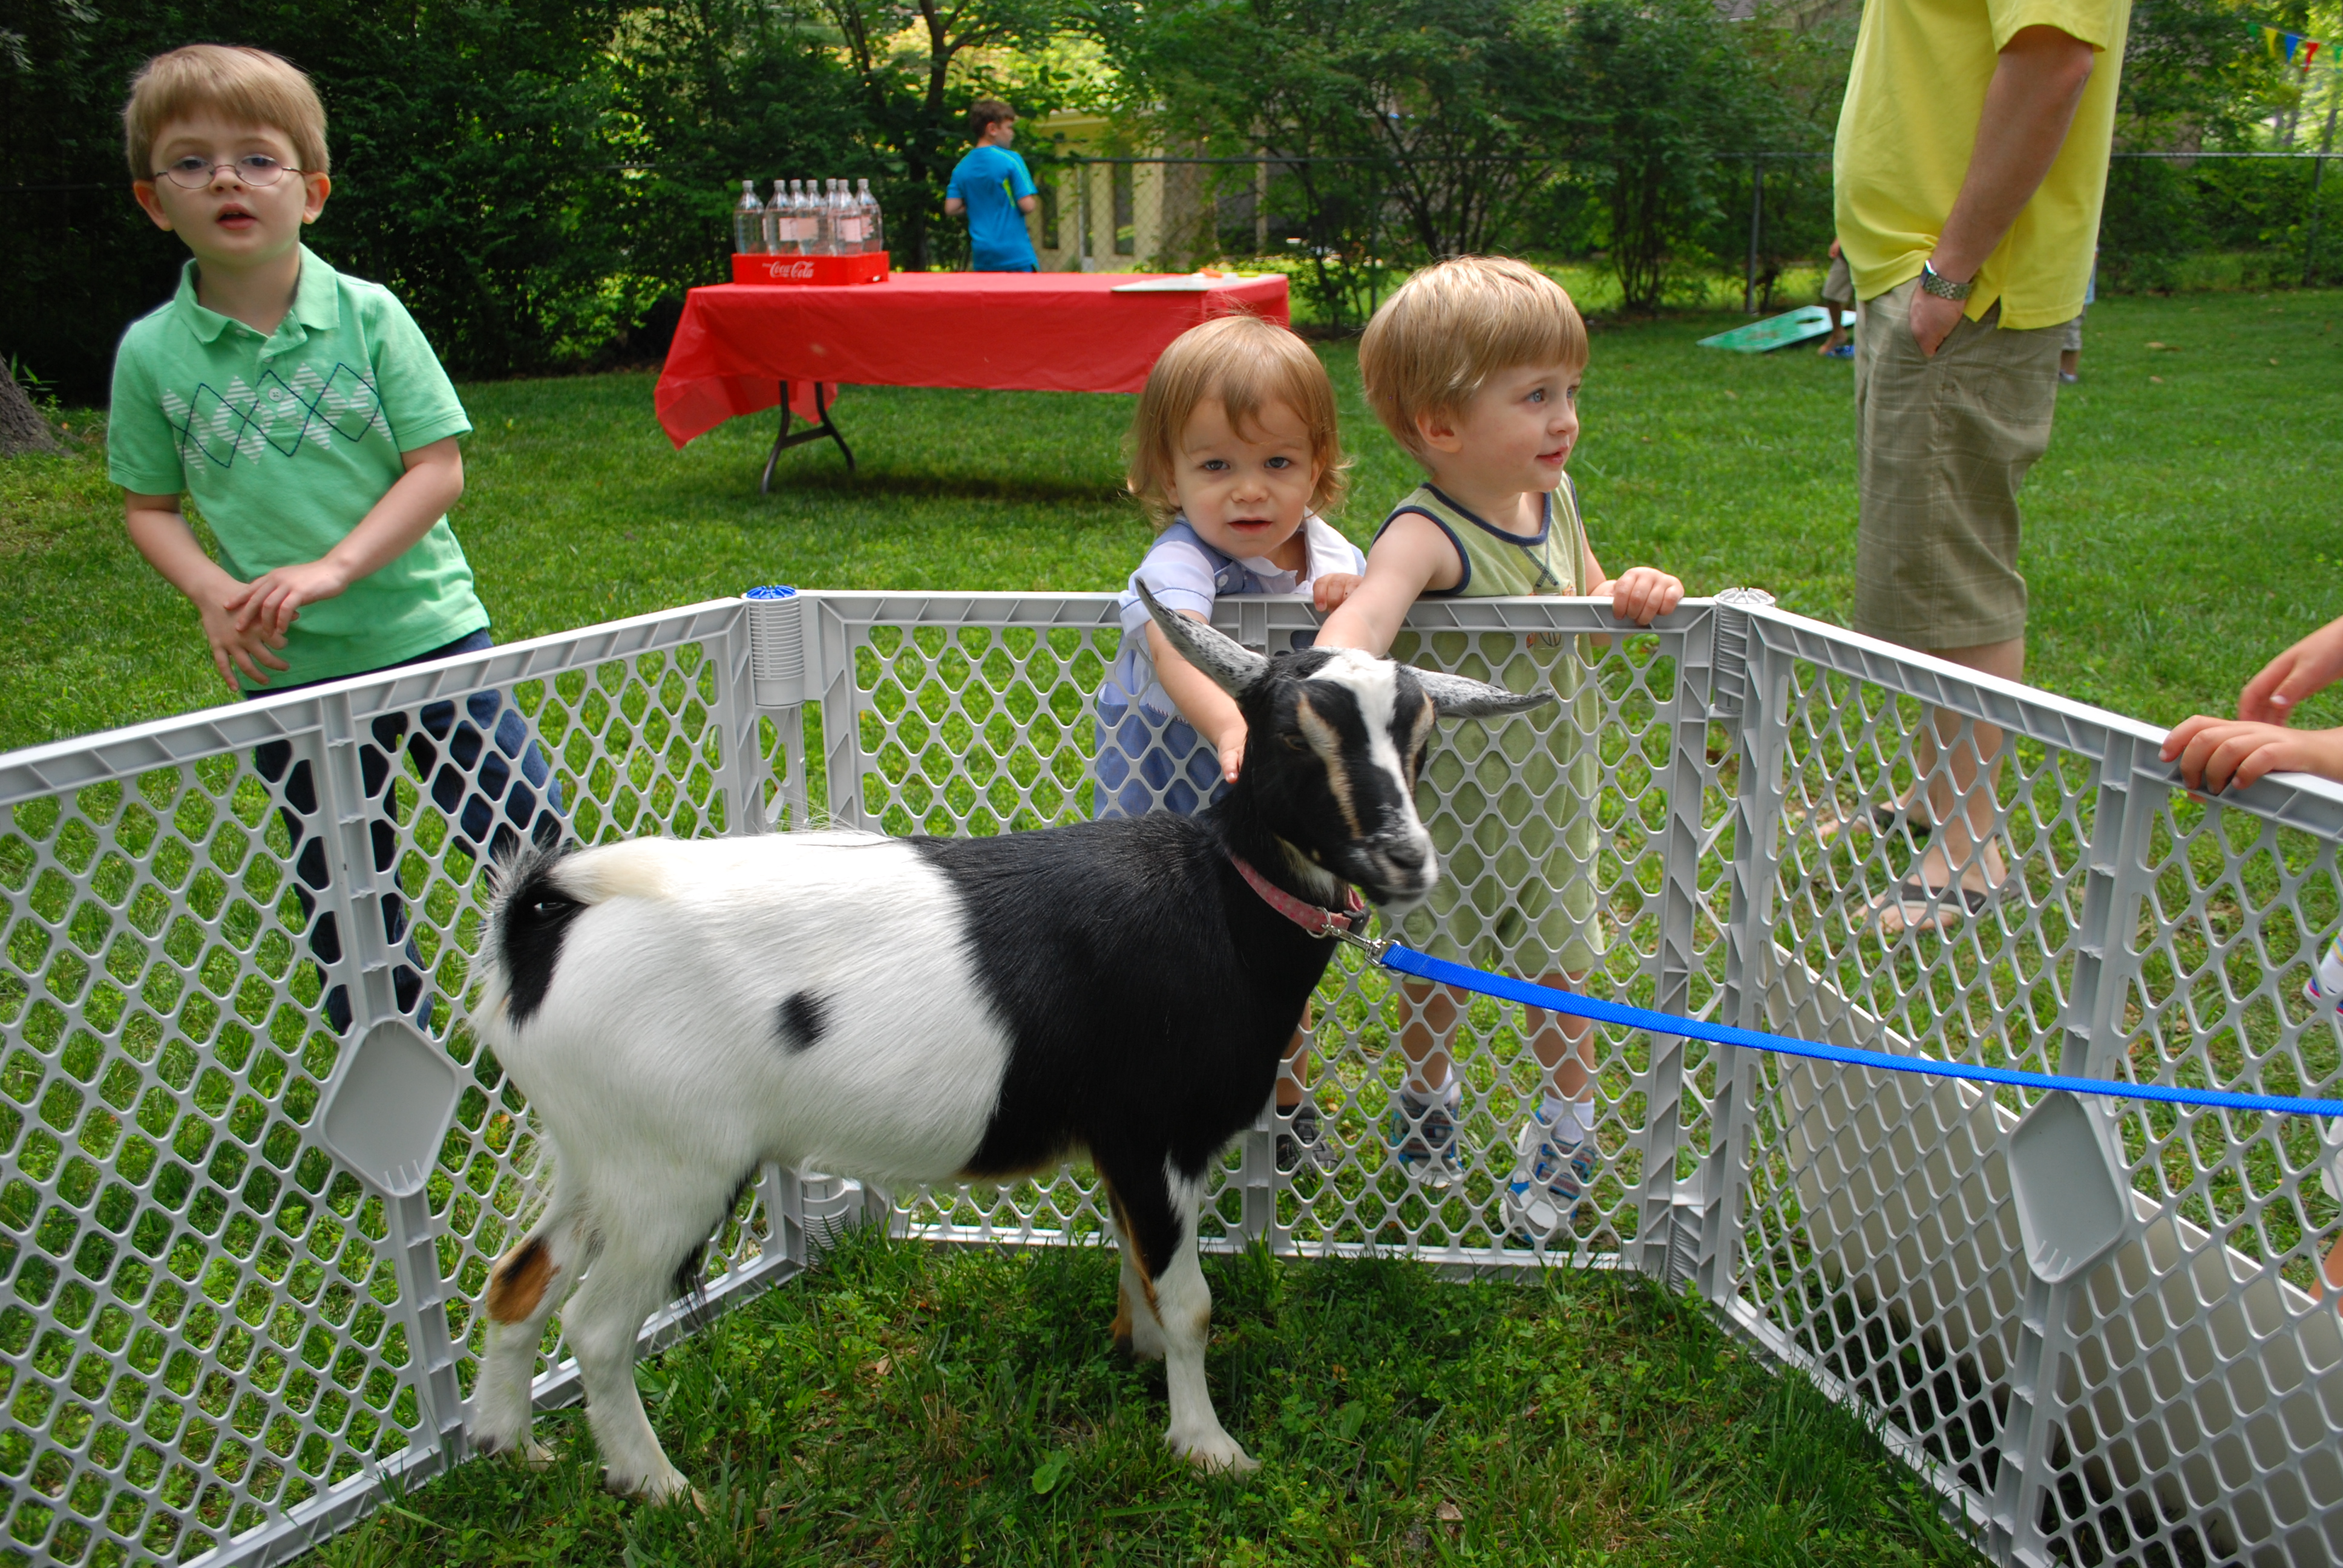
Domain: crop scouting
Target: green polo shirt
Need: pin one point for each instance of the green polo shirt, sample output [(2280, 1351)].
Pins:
[(286, 442)]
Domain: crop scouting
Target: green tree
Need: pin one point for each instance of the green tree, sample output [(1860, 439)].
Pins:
[(1418, 128), (1663, 95), (540, 180), (920, 64), (2194, 76)]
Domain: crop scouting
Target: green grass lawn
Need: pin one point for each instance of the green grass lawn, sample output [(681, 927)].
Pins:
[(905, 1406), (2180, 531), (2178, 534)]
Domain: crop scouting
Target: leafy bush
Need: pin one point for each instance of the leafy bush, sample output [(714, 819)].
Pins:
[(482, 154)]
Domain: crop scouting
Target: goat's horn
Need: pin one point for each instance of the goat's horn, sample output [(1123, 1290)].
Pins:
[(1233, 665), (1454, 697)]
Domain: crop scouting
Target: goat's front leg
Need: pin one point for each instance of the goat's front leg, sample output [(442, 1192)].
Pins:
[(1183, 1307)]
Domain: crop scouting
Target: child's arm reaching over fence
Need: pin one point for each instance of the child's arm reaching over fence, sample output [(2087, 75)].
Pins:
[(2310, 666), (2215, 753)]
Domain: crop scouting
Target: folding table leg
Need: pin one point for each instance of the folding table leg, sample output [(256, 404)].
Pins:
[(822, 426)]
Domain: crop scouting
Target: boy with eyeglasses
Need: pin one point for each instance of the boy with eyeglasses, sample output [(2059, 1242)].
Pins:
[(306, 416), (302, 409)]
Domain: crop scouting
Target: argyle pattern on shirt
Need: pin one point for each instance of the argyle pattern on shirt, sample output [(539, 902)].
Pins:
[(244, 420)]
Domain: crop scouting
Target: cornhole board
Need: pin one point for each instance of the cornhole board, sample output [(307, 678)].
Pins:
[(1775, 331)]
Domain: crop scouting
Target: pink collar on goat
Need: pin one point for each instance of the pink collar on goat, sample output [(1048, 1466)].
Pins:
[(1318, 923)]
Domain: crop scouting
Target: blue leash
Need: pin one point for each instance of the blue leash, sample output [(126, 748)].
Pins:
[(1422, 965)]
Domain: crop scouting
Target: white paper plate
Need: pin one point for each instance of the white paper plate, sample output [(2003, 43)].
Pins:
[(1194, 283)]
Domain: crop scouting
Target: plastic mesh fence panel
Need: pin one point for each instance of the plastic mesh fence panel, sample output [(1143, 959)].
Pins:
[(204, 1322), (2178, 1400), (215, 1325), (219, 1330), (976, 715)]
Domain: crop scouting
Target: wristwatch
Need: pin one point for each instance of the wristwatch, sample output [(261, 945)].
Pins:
[(1943, 287)]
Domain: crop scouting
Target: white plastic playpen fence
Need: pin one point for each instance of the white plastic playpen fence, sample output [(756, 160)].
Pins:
[(256, 1164)]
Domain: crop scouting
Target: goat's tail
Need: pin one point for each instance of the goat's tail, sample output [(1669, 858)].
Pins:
[(529, 910)]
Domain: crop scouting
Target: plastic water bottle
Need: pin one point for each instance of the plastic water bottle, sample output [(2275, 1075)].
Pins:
[(841, 222), (780, 234), (874, 226), (819, 233), (749, 221), (857, 236)]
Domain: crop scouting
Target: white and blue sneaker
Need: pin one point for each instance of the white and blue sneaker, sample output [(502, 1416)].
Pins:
[(1423, 1133), (1554, 1166)]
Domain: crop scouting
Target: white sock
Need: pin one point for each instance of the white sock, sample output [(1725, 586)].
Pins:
[(1573, 1121), (1450, 1094)]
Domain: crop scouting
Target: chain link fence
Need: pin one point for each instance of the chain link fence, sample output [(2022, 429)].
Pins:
[(244, 1226)]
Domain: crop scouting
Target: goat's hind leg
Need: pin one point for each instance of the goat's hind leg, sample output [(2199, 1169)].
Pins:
[(524, 1288), (1137, 1332), (664, 1220)]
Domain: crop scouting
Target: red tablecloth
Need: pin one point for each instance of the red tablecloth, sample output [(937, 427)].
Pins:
[(1012, 331)]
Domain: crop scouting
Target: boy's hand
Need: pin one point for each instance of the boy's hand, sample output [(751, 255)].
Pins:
[(2310, 666), (1231, 743), (2215, 753), (271, 602), (1642, 594), (1328, 592), (235, 647)]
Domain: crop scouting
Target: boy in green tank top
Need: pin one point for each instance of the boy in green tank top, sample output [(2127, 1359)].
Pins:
[(1474, 366)]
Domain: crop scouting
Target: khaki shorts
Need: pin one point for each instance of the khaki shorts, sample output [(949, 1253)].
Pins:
[(1942, 445), (1839, 284), (1510, 807), (2071, 334)]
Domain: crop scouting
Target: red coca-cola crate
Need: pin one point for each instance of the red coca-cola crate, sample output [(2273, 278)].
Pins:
[(869, 267)]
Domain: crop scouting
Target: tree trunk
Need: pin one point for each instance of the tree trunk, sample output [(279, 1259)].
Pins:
[(22, 428)]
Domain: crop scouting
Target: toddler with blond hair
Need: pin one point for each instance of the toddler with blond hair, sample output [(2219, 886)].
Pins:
[(1474, 365), (1234, 456)]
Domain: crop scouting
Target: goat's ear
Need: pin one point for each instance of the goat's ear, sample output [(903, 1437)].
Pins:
[(1233, 666), (1453, 696)]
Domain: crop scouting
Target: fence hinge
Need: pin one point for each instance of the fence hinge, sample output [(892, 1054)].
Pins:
[(777, 651), (1728, 686)]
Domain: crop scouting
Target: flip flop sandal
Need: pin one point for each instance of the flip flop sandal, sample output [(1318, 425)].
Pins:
[(1937, 907)]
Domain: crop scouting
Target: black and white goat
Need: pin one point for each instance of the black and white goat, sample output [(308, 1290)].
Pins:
[(930, 1009)]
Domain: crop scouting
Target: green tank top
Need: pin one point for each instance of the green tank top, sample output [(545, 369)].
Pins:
[(1498, 564), (1511, 802)]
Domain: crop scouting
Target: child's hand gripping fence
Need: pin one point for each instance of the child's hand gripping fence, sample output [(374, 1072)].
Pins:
[(226, 1310)]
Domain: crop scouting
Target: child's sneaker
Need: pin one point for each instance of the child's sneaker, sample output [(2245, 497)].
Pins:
[(1302, 1140), (1552, 1171), (1423, 1132)]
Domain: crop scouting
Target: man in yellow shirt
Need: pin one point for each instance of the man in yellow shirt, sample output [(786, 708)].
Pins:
[(1971, 163)]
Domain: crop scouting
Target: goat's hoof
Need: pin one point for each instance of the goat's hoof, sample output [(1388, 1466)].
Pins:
[(1215, 1451), (653, 1489), (524, 1450)]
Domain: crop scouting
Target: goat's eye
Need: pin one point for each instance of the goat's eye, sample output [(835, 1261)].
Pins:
[(1295, 741)]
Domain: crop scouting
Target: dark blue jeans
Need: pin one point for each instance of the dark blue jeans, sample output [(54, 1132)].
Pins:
[(481, 768)]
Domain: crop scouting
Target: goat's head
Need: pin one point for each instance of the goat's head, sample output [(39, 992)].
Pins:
[(1334, 739)]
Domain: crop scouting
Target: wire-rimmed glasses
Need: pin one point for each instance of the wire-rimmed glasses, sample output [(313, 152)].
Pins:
[(193, 173)]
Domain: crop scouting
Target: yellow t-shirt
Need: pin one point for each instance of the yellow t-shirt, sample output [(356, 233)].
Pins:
[(1914, 98)]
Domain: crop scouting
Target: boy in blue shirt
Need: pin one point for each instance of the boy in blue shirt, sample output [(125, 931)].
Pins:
[(990, 185)]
